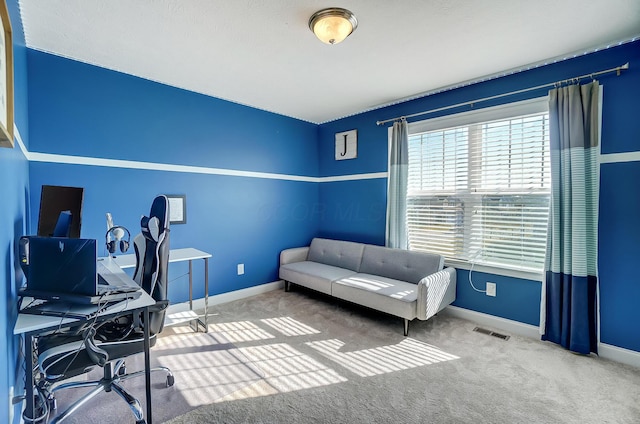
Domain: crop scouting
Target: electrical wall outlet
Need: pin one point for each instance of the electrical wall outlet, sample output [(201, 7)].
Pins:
[(240, 269), (491, 289)]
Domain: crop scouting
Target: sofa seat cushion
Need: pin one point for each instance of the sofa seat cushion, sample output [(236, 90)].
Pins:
[(313, 275), (381, 293)]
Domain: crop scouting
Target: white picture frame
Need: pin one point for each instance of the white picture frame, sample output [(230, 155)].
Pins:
[(177, 208)]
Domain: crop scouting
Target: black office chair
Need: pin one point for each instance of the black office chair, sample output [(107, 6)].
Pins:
[(63, 356)]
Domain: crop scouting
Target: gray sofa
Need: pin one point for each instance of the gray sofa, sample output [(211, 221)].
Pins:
[(399, 282)]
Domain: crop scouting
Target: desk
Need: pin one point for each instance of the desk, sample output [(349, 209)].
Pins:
[(180, 255), (31, 326)]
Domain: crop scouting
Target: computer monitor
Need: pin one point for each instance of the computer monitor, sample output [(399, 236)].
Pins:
[(57, 199)]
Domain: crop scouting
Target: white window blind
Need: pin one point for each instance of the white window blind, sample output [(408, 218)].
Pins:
[(479, 186)]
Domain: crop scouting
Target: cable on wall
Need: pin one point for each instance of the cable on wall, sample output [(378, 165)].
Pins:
[(473, 263)]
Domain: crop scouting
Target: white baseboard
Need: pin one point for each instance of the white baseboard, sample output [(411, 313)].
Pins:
[(606, 351), (618, 354), (502, 324), (226, 297)]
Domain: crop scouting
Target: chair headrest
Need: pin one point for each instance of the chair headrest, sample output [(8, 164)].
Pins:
[(150, 228), (158, 220)]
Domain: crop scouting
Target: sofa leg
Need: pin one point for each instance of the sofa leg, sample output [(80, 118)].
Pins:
[(406, 327), (286, 286)]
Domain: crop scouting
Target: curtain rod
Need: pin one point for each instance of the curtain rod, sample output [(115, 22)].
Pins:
[(484, 99)]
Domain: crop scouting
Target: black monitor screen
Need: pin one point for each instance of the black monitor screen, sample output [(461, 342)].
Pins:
[(56, 199)]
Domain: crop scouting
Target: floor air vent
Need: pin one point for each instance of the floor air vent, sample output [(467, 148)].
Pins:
[(491, 333)]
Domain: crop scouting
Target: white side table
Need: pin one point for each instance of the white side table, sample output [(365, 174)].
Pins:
[(179, 255)]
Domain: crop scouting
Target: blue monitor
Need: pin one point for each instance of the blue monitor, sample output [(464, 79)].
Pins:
[(63, 226)]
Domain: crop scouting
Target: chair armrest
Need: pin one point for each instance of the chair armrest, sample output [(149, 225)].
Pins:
[(296, 254), (435, 292), (98, 355), (160, 305), (121, 326)]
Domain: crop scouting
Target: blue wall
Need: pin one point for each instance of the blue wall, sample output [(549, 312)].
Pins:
[(354, 210), (619, 229), (82, 110), (14, 192)]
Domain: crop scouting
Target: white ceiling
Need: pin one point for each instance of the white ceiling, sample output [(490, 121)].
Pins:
[(261, 53)]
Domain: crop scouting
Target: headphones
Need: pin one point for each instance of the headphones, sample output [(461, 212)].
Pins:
[(118, 233)]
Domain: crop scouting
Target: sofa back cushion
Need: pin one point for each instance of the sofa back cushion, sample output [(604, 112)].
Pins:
[(399, 264), (343, 254)]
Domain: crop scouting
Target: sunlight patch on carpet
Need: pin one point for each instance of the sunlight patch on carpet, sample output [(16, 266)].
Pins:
[(289, 326), (238, 331), (205, 377), (409, 353), (185, 338), (287, 369), (241, 373)]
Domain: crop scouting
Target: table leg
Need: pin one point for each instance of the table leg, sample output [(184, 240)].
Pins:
[(206, 294), (190, 284), (147, 365), (29, 410), (197, 321)]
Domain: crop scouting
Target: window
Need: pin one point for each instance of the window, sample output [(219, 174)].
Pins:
[(479, 186)]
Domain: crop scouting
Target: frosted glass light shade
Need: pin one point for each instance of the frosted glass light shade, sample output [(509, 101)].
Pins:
[(332, 25)]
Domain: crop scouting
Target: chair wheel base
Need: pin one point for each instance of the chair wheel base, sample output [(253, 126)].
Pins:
[(170, 380), (141, 422)]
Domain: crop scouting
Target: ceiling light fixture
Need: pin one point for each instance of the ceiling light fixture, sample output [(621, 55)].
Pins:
[(332, 25)]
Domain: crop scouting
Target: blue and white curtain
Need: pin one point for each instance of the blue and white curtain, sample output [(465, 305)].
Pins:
[(570, 290), (396, 231)]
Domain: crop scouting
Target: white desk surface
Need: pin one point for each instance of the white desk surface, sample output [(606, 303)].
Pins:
[(175, 255), (28, 322)]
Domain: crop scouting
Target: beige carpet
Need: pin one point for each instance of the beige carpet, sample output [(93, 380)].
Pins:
[(301, 357)]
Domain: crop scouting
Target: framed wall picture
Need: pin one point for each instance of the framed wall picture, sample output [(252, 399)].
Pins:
[(6, 78), (177, 208), (347, 145)]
